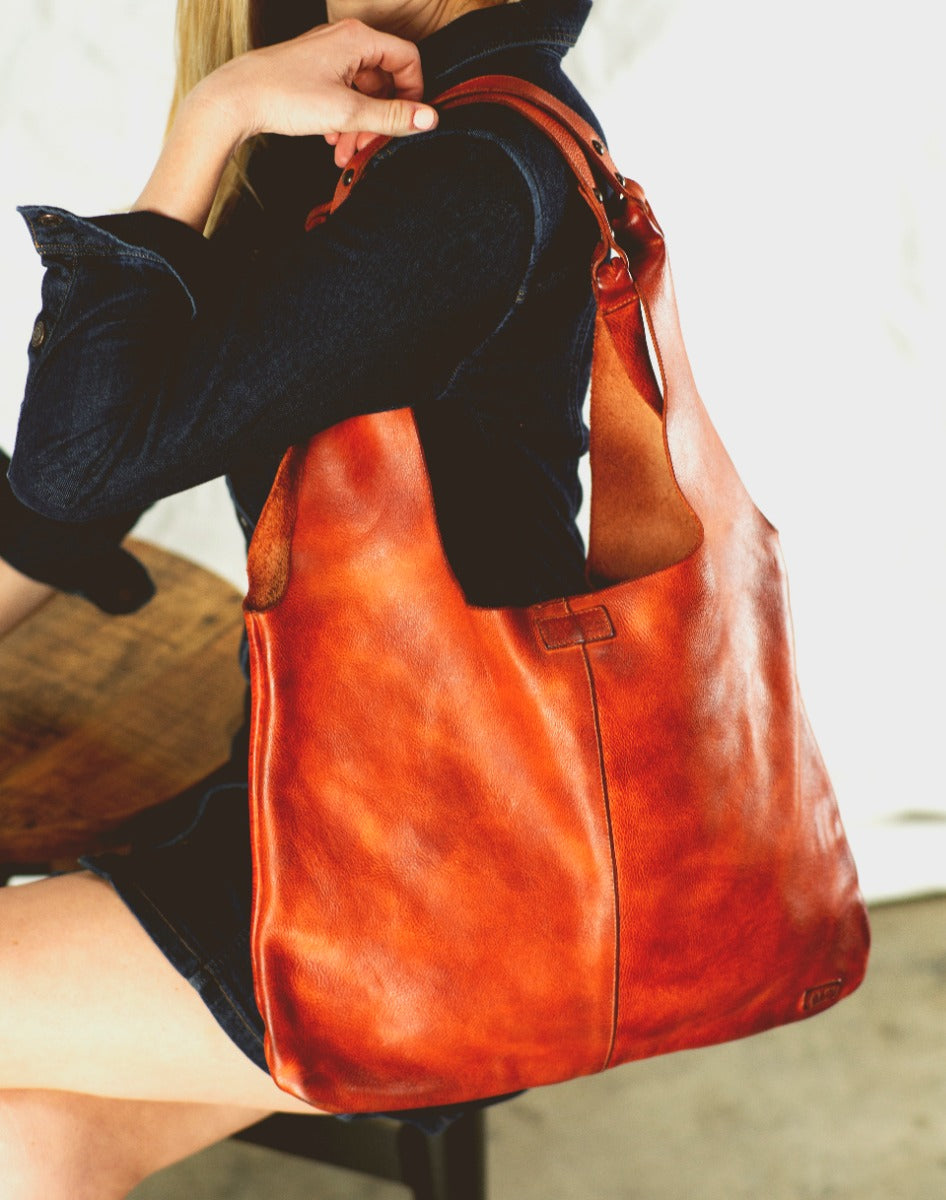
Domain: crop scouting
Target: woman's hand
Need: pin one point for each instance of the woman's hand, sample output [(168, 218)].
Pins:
[(370, 83), (344, 80), (308, 85)]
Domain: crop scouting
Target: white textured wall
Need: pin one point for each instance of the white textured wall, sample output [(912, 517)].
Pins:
[(795, 156)]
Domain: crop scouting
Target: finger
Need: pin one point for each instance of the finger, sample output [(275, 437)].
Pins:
[(332, 137), (393, 118), (400, 59), (374, 82), (350, 143), (374, 54), (345, 149)]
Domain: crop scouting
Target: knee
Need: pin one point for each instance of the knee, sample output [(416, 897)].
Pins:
[(52, 1147)]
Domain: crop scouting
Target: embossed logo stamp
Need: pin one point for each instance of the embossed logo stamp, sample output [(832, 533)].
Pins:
[(576, 629), (824, 993)]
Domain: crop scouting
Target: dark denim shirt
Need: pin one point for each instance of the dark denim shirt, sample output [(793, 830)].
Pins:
[(455, 280)]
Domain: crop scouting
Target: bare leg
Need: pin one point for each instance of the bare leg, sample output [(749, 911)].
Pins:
[(20, 597), (89, 1004), (111, 1067), (65, 1146)]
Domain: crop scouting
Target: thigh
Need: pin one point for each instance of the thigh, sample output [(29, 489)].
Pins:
[(67, 1146), (89, 1004)]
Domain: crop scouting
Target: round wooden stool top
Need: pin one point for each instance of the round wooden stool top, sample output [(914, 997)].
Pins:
[(102, 717)]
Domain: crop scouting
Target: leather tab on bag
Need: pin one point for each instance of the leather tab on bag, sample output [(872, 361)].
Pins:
[(576, 629)]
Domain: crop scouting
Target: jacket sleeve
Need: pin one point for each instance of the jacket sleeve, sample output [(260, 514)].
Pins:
[(85, 559), (155, 364)]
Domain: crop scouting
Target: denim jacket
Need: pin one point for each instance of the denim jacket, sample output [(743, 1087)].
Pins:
[(455, 280)]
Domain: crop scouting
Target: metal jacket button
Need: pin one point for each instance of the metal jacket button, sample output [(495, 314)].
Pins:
[(39, 333)]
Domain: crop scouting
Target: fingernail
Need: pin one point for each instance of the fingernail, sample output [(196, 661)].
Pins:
[(424, 118)]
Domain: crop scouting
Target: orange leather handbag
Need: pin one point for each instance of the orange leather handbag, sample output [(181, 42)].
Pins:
[(650, 855)]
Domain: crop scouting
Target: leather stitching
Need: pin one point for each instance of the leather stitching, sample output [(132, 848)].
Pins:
[(614, 866)]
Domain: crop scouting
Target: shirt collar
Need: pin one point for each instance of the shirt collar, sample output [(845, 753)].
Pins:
[(551, 24)]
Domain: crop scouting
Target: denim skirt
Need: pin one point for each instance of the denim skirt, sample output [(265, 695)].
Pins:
[(191, 891)]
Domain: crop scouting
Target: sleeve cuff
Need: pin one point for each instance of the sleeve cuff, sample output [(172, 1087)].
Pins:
[(148, 237), (84, 559)]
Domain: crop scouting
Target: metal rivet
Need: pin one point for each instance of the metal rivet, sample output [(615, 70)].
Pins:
[(39, 333), (599, 195), (49, 219), (620, 178), (598, 146), (348, 177)]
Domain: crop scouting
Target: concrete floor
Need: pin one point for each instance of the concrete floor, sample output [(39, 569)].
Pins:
[(850, 1105)]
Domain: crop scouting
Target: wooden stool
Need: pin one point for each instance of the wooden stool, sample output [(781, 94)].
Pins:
[(101, 720)]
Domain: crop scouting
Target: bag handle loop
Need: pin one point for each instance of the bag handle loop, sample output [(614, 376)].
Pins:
[(630, 259), (632, 280), (578, 142)]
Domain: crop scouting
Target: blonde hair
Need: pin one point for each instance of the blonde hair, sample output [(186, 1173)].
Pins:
[(208, 34)]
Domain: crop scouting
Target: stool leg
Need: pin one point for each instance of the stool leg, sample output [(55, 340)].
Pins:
[(449, 1165)]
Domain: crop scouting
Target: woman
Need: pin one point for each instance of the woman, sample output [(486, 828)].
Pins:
[(455, 279)]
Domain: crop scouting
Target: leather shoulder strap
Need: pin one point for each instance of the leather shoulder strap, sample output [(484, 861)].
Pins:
[(578, 142), (688, 471)]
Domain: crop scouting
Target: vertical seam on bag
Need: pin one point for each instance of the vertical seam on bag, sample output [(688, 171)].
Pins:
[(614, 866)]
